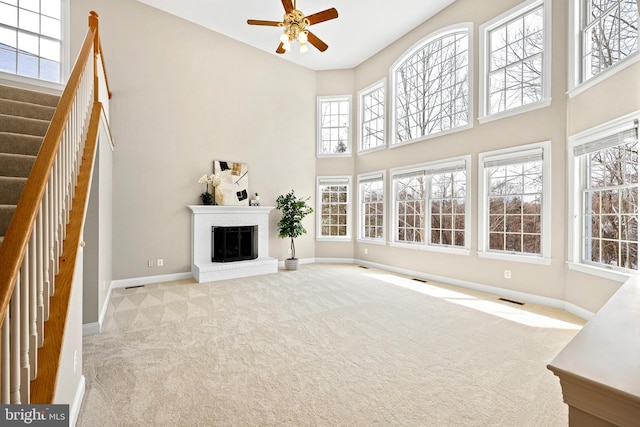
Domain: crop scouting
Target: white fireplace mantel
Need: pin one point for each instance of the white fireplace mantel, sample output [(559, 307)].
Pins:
[(204, 217)]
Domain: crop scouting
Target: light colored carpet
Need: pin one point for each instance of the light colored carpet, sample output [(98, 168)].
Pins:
[(327, 345)]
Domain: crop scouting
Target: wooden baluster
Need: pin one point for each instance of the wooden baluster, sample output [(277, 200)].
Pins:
[(43, 297), (14, 312), (25, 369), (35, 281)]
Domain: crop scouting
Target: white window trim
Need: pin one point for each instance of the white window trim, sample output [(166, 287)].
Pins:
[(65, 56), (498, 21), (426, 245), (382, 83), (483, 239), (574, 178), (364, 177), (576, 86), (324, 180), (319, 101), (468, 26)]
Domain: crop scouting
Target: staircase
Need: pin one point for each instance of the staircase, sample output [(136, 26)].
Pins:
[(24, 118)]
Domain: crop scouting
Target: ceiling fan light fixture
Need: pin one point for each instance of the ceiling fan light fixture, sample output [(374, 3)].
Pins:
[(304, 48), (302, 38), (284, 38), (286, 45)]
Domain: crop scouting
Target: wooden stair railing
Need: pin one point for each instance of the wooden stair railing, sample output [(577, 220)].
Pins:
[(38, 254)]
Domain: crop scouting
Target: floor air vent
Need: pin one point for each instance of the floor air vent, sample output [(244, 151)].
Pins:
[(133, 287), (511, 301), (419, 280), (362, 266)]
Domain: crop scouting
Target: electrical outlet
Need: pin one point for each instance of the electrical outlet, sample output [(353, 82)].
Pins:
[(507, 274), (150, 263), (160, 262), (366, 251)]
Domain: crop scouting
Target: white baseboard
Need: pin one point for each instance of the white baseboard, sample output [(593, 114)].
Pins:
[(93, 328), (74, 409), (334, 260), (140, 281), (506, 293)]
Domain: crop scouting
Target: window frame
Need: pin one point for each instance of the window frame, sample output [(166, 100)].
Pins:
[(483, 212), (319, 117), (514, 13), (380, 84), (335, 180), (363, 179), (464, 162), (65, 58), (576, 176), (576, 83), (421, 44)]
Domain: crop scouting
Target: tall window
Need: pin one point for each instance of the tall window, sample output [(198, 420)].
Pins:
[(372, 117), (514, 65), (431, 88), (607, 187), (431, 204), (371, 207), (609, 31), (514, 211), (31, 38), (334, 126), (334, 200), (447, 196)]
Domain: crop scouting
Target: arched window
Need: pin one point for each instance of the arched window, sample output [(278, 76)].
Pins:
[(431, 86)]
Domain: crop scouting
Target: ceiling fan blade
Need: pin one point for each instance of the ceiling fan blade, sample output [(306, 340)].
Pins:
[(325, 15), (314, 40), (260, 22), (280, 48), (288, 5)]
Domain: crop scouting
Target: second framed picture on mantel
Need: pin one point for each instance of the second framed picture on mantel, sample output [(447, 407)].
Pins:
[(234, 186)]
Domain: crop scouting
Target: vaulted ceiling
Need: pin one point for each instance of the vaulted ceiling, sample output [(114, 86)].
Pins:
[(363, 27)]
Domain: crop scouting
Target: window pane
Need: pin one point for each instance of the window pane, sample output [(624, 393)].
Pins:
[(432, 91)]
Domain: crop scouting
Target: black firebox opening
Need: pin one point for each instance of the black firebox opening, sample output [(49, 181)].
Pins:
[(234, 243)]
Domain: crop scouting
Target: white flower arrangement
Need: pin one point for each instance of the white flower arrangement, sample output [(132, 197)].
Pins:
[(214, 179)]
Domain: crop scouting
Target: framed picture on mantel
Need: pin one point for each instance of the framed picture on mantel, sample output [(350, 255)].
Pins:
[(234, 186)]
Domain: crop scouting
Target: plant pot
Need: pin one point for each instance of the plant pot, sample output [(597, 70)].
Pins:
[(291, 263)]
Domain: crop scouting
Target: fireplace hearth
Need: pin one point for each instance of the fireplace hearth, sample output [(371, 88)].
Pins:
[(234, 243), (204, 218)]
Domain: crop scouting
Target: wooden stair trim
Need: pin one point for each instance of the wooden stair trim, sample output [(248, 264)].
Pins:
[(49, 356), (17, 238)]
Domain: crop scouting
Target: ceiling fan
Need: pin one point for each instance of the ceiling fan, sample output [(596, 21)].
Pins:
[(295, 27)]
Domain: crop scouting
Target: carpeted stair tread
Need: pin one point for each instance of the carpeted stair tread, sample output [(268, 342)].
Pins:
[(17, 143), (16, 165), (26, 109), (6, 212), (25, 95), (24, 125), (11, 188)]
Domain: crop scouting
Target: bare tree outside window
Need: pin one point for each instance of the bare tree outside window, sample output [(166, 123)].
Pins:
[(516, 61), (373, 118), (609, 33), (333, 210), (447, 200), (611, 206), (515, 207), (372, 209), (410, 193), (432, 88)]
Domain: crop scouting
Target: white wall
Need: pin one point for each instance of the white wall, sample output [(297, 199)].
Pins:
[(184, 96)]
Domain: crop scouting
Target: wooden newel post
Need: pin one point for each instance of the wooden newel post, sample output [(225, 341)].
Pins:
[(93, 25)]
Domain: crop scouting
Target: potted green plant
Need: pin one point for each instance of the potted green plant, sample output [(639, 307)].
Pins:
[(293, 209)]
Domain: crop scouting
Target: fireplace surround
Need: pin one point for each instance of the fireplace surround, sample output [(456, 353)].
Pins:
[(203, 218)]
